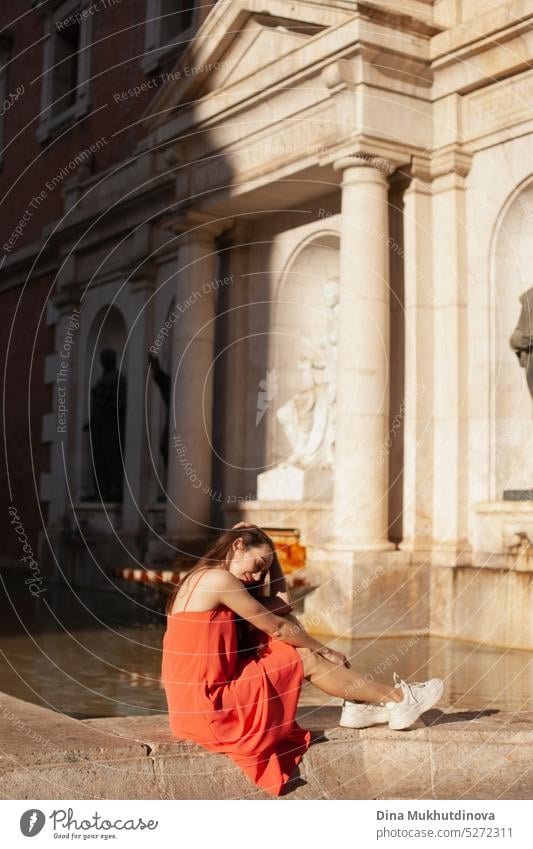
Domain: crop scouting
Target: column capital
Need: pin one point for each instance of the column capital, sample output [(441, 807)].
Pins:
[(375, 167)]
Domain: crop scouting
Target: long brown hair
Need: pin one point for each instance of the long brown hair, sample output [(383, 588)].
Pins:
[(216, 555), (247, 636)]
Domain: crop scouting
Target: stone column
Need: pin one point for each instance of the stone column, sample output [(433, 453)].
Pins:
[(361, 461), (189, 489)]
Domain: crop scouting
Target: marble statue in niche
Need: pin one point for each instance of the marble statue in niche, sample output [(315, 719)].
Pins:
[(521, 342), (304, 416), (308, 418)]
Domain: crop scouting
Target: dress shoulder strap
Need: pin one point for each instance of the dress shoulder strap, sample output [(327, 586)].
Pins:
[(194, 587)]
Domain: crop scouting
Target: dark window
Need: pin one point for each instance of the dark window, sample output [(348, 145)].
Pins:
[(176, 16), (65, 67)]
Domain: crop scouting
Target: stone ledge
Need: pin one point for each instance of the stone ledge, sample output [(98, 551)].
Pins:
[(33, 736), (448, 755)]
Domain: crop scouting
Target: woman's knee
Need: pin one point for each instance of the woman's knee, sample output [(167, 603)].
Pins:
[(308, 660), (303, 652)]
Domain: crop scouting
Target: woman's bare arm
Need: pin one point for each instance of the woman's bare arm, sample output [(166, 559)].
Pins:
[(231, 592), (276, 604)]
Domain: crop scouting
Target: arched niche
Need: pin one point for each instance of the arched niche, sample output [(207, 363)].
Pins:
[(107, 330), (302, 319), (512, 263)]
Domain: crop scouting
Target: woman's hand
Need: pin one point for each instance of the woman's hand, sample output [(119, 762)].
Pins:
[(243, 525), (333, 656)]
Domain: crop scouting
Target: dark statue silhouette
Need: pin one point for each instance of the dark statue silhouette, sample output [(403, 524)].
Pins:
[(521, 342), (107, 429), (162, 380)]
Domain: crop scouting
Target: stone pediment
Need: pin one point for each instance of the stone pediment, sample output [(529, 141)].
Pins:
[(260, 42), (238, 38)]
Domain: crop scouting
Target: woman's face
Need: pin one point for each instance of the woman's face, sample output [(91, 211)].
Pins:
[(249, 564)]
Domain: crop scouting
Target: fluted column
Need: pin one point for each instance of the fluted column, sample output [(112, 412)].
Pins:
[(361, 460)]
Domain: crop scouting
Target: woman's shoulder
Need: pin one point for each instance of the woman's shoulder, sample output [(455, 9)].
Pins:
[(197, 585), (219, 579), (210, 578), (209, 588)]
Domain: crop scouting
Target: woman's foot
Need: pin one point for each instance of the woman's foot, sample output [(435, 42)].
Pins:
[(417, 698), (362, 714)]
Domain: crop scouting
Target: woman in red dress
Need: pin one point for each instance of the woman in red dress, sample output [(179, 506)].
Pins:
[(234, 660)]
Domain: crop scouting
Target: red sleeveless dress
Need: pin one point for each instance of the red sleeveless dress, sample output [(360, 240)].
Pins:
[(240, 706)]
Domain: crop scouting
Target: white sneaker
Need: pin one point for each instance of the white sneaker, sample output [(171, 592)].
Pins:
[(362, 715), (418, 697)]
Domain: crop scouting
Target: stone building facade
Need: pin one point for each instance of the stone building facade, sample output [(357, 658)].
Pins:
[(323, 232), (70, 112)]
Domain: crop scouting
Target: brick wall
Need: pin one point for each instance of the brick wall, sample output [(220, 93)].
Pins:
[(118, 38), (24, 343)]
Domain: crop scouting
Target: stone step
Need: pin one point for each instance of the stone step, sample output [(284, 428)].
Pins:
[(448, 755)]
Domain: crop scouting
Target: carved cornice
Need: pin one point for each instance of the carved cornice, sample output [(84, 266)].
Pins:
[(383, 13)]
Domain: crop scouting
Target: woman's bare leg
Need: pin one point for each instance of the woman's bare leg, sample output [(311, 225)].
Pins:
[(340, 681), (336, 680)]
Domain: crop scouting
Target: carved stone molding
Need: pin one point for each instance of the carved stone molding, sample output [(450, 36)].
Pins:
[(451, 160), (195, 225)]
